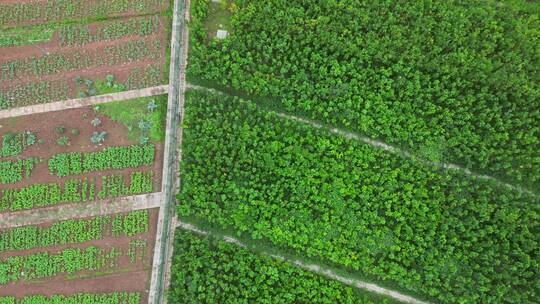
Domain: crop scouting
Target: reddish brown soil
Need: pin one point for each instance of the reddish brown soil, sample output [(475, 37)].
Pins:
[(121, 71), (43, 125), (125, 277)]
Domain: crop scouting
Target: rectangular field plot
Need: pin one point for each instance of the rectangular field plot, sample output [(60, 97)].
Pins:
[(109, 255), (82, 155), (58, 61)]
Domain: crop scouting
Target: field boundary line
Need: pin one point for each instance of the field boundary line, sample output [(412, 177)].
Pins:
[(79, 210), (83, 102), (314, 268), (383, 145), (165, 229)]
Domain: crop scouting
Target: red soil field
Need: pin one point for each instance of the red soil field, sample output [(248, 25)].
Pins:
[(126, 277)]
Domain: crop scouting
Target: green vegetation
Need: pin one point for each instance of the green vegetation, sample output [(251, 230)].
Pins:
[(212, 271), (64, 164), (460, 74), (433, 232), (74, 231), (54, 63), (14, 144), (151, 110), (79, 298), (75, 191), (15, 171), (33, 92)]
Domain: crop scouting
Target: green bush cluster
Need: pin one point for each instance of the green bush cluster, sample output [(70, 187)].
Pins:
[(458, 77), (74, 191), (74, 231), (434, 232), (73, 163), (211, 271), (14, 144), (15, 171), (79, 298)]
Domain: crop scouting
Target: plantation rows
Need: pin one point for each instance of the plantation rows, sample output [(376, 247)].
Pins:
[(32, 92), (80, 298), (78, 35), (55, 63), (212, 271), (15, 171), (74, 231), (68, 10), (75, 191), (68, 261), (38, 92), (421, 75), (434, 232), (73, 163)]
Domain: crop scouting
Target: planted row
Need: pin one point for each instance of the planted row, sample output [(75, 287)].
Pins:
[(72, 35), (79, 298), (305, 190), (74, 191), (73, 163), (13, 144), (74, 231), (55, 63), (68, 261), (220, 272)]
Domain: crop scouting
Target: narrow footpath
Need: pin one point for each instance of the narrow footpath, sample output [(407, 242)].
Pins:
[(83, 102)]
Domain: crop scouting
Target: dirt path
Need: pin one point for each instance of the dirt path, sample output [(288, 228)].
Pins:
[(75, 211), (384, 146), (318, 269), (165, 235), (83, 102)]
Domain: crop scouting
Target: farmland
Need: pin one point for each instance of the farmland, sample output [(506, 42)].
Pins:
[(68, 160), (53, 51)]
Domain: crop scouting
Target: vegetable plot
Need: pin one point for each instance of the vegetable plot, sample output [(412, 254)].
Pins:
[(64, 164), (436, 233), (79, 298)]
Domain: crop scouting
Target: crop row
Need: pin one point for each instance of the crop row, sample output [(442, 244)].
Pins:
[(33, 92), (68, 261), (419, 76), (74, 190), (219, 272), (74, 231), (72, 163), (54, 63), (435, 232), (69, 10), (77, 35), (15, 171), (79, 298)]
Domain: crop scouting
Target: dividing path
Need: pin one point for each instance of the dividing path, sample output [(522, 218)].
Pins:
[(83, 102), (165, 227), (318, 269), (79, 210), (384, 146)]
